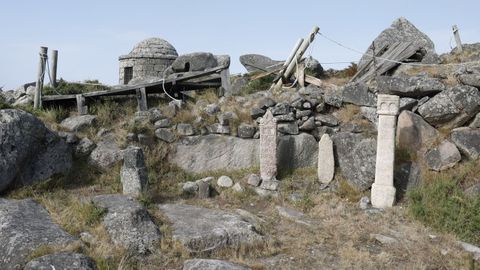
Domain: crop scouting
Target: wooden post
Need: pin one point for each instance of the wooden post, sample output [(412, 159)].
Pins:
[(81, 108), (37, 101), (457, 38), (301, 74), (141, 99), (53, 68), (225, 77), (298, 56)]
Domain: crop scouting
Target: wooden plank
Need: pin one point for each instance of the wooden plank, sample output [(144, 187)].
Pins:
[(457, 38), (301, 74), (398, 52), (37, 100), (313, 80)]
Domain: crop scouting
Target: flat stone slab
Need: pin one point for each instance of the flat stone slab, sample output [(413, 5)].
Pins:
[(128, 223), (201, 229), (326, 160), (25, 226), (209, 264)]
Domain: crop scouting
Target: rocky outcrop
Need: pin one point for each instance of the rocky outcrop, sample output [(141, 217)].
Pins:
[(128, 223), (214, 152), (210, 264), (197, 61), (445, 156), (468, 141), (25, 226), (62, 260), (358, 94), (401, 30), (415, 87), (356, 157), (452, 107), (206, 230), (413, 133), (257, 62), (29, 152), (297, 152)]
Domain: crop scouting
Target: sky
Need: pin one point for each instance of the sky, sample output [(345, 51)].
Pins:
[(91, 35)]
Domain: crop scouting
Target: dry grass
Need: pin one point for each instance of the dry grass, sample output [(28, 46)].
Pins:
[(347, 113)]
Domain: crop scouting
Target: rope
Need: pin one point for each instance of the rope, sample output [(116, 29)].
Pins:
[(164, 90), (391, 60)]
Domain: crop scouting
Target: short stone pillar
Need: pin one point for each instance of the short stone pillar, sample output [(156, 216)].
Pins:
[(133, 175), (383, 191), (268, 147)]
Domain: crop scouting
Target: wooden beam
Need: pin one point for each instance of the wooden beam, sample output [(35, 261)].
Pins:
[(81, 108), (141, 99), (300, 74), (53, 69), (313, 80)]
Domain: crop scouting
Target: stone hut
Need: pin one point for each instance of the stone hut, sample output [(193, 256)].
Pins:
[(148, 59)]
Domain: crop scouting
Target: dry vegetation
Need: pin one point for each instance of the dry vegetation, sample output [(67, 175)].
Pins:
[(338, 239)]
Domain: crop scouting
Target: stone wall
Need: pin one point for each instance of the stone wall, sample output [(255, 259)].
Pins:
[(144, 67)]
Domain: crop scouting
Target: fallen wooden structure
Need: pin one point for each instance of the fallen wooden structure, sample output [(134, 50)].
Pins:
[(174, 85), (386, 59)]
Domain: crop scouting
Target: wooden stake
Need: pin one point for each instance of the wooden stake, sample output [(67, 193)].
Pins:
[(301, 74), (53, 68), (81, 108), (141, 99), (457, 38), (37, 101)]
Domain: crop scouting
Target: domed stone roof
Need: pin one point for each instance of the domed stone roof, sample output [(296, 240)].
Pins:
[(153, 48)]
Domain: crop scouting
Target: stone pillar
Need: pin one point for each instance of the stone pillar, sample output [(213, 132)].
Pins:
[(133, 175), (383, 191), (268, 147)]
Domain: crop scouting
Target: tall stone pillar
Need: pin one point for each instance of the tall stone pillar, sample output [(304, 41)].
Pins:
[(268, 147), (383, 191)]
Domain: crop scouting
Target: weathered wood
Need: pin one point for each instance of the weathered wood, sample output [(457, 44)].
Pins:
[(313, 80), (457, 38), (210, 78), (37, 101), (81, 108), (141, 99), (397, 52), (301, 74), (289, 60), (297, 57), (53, 68)]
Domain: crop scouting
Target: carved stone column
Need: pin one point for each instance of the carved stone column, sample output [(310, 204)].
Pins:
[(268, 147), (383, 191)]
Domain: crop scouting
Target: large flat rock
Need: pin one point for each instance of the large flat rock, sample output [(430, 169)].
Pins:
[(24, 227), (210, 264), (201, 229)]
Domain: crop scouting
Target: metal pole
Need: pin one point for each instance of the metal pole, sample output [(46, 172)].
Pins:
[(54, 68), (37, 101)]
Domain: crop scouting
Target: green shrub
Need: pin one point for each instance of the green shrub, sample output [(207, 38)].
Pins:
[(441, 203), (67, 88), (256, 85)]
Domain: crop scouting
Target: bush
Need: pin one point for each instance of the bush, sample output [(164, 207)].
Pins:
[(441, 203), (67, 88), (256, 85)]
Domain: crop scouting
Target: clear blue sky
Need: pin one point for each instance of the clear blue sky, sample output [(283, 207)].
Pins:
[(90, 35)]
